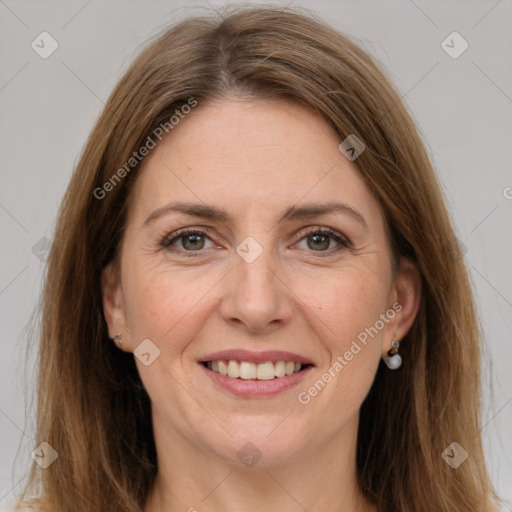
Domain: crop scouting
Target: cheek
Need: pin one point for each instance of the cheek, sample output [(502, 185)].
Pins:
[(349, 302), (165, 305), (350, 309)]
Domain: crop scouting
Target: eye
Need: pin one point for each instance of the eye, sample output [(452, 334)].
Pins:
[(190, 239), (194, 240), (320, 239)]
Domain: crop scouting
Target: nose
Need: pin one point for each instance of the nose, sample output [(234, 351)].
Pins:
[(257, 297)]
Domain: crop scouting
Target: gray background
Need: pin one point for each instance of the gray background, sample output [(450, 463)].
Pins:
[(463, 107)]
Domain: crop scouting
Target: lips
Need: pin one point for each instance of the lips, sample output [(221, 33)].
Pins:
[(255, 374)]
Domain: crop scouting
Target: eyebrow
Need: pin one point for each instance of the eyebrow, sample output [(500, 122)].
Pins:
[(304, 211)]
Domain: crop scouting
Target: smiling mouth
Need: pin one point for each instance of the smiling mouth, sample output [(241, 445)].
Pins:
[(246, 370)]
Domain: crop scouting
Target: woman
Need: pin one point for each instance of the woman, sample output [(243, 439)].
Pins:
[(254, 300)]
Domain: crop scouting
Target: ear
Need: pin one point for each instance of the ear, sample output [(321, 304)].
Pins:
[(113, 303), (405, 301)]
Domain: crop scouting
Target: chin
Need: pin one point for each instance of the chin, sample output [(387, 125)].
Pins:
[(268, 444)]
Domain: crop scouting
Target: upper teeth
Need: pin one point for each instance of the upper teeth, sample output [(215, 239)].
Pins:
[(247, 370)]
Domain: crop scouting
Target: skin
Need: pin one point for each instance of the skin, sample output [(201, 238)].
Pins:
[(255, 159)]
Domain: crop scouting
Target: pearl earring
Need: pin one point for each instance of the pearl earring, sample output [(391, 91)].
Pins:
[(118, 338), (393, 360)]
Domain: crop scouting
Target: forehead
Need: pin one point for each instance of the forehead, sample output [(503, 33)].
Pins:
[(235, 153)]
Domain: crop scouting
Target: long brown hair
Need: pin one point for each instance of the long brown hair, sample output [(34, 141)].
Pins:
[(92, 407)]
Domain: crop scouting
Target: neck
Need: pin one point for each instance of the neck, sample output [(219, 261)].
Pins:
[(194, 480)]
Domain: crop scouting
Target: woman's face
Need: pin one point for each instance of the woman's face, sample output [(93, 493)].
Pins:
[(295, 268)]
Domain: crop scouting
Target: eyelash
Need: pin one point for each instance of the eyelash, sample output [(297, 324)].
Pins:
[(181, 233)]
